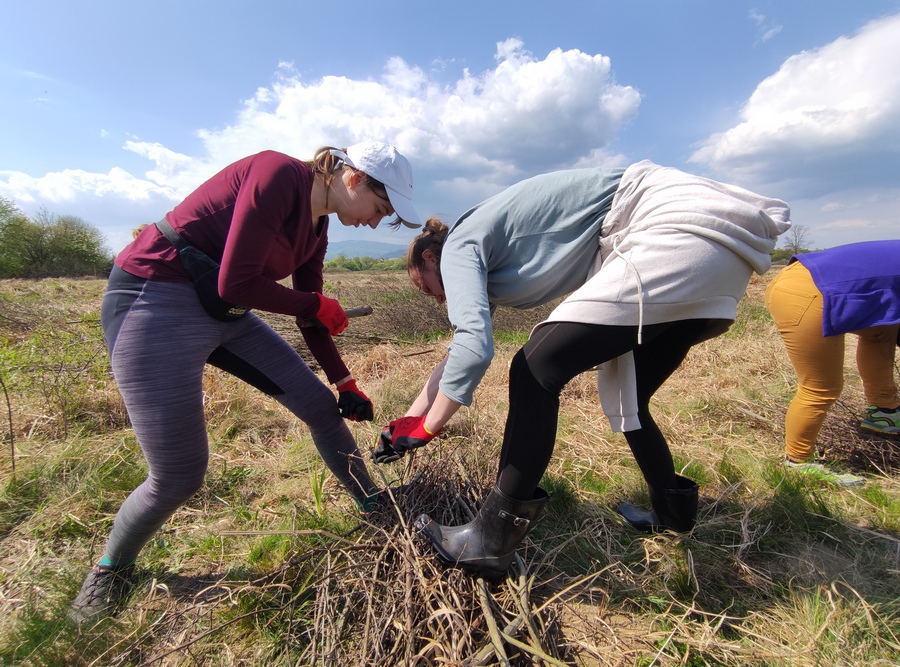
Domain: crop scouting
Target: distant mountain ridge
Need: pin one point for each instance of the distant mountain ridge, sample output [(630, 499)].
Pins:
[(372, 249)]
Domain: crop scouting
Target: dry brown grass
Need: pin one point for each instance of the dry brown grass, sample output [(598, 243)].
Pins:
[(263, 569)]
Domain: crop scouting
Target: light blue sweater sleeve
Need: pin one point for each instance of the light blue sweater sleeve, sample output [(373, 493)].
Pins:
[(469, 312), (528, 245)]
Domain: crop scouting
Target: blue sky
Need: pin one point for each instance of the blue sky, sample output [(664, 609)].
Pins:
[(114, 110)]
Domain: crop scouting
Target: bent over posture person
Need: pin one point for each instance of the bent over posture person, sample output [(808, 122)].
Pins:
[(654, 260), (817, 299), (264, 218)]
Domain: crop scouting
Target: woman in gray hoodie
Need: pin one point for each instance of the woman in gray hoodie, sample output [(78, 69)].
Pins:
[(654, 260)]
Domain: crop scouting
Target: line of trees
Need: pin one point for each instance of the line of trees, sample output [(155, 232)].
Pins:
[(344, 263), (64, 245), (49, 245)]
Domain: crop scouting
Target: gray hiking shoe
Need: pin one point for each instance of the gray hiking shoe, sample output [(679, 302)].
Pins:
[(882, 420), (101, 593), (819, 471)]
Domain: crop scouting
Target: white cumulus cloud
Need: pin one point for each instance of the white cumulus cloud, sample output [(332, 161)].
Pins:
[(67, 185), (829, 119), (478, 134), (533, 115)]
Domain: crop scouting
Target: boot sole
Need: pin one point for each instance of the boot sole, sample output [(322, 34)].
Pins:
[(474, 570), (492, 574)]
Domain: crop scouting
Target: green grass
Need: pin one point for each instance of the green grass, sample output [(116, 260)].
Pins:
[(270, 564)]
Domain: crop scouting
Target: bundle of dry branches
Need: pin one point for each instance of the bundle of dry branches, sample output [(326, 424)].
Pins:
[(375, 596)]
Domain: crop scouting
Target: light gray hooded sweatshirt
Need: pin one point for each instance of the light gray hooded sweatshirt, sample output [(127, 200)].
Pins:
[(644, 246)]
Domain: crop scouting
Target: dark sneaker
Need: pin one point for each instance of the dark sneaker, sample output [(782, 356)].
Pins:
[(370, 504), (383, 503), (379, 503), (882, 420), (102, 591)]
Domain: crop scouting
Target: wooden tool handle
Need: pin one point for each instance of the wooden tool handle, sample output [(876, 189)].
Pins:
[(351, 313), (359, 312)]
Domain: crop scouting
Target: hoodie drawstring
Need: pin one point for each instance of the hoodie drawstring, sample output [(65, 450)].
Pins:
[(640, 286)]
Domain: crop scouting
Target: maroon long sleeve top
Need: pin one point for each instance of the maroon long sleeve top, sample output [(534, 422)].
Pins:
[(255, 218)]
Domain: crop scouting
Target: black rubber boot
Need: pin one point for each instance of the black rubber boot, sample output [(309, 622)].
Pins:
[(673, 509), (486, 545)]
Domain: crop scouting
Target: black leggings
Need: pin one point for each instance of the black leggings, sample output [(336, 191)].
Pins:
[(555, 354)]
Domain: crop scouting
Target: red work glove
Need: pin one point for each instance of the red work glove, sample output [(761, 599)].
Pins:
[(331, 315), (354, 404), (409, 433)]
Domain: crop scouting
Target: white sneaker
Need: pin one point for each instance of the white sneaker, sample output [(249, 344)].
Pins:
[(819, 471)]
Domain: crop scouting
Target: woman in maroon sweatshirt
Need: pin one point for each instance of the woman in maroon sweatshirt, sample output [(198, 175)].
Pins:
[(263, 218)]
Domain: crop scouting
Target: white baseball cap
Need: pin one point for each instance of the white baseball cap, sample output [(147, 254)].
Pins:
[(385, 164)]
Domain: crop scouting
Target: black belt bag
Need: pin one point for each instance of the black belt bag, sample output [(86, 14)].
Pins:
[(204, 273)]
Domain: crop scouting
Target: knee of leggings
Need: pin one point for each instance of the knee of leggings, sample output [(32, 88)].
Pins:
[(173, 491), (315, 404), (526, 376), (648, 425)]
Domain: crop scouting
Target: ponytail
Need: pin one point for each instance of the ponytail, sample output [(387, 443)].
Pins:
[(431, 239), (325, 164)]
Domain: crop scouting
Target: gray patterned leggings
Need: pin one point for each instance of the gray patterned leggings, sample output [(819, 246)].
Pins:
[(159, 339)]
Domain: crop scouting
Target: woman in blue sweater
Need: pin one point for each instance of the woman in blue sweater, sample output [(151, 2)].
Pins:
[(815, 300)]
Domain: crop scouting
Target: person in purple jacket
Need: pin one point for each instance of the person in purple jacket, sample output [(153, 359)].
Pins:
[(262, 218), (817, 299)]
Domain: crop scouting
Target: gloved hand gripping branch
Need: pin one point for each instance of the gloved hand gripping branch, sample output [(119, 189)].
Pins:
[(353, 403), (384, 450), (401, 436)]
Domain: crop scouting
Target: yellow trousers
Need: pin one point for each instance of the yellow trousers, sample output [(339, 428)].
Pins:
[(796, 306)]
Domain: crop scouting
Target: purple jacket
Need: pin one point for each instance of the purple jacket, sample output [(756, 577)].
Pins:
[(859, 282)]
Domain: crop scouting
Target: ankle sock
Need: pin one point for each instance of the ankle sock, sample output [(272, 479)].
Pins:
[(106, 563)]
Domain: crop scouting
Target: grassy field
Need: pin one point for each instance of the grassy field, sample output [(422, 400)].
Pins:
[(270, 563)]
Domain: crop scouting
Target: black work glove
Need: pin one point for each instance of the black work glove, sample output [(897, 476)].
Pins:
[(384, 450), (353, 404)]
